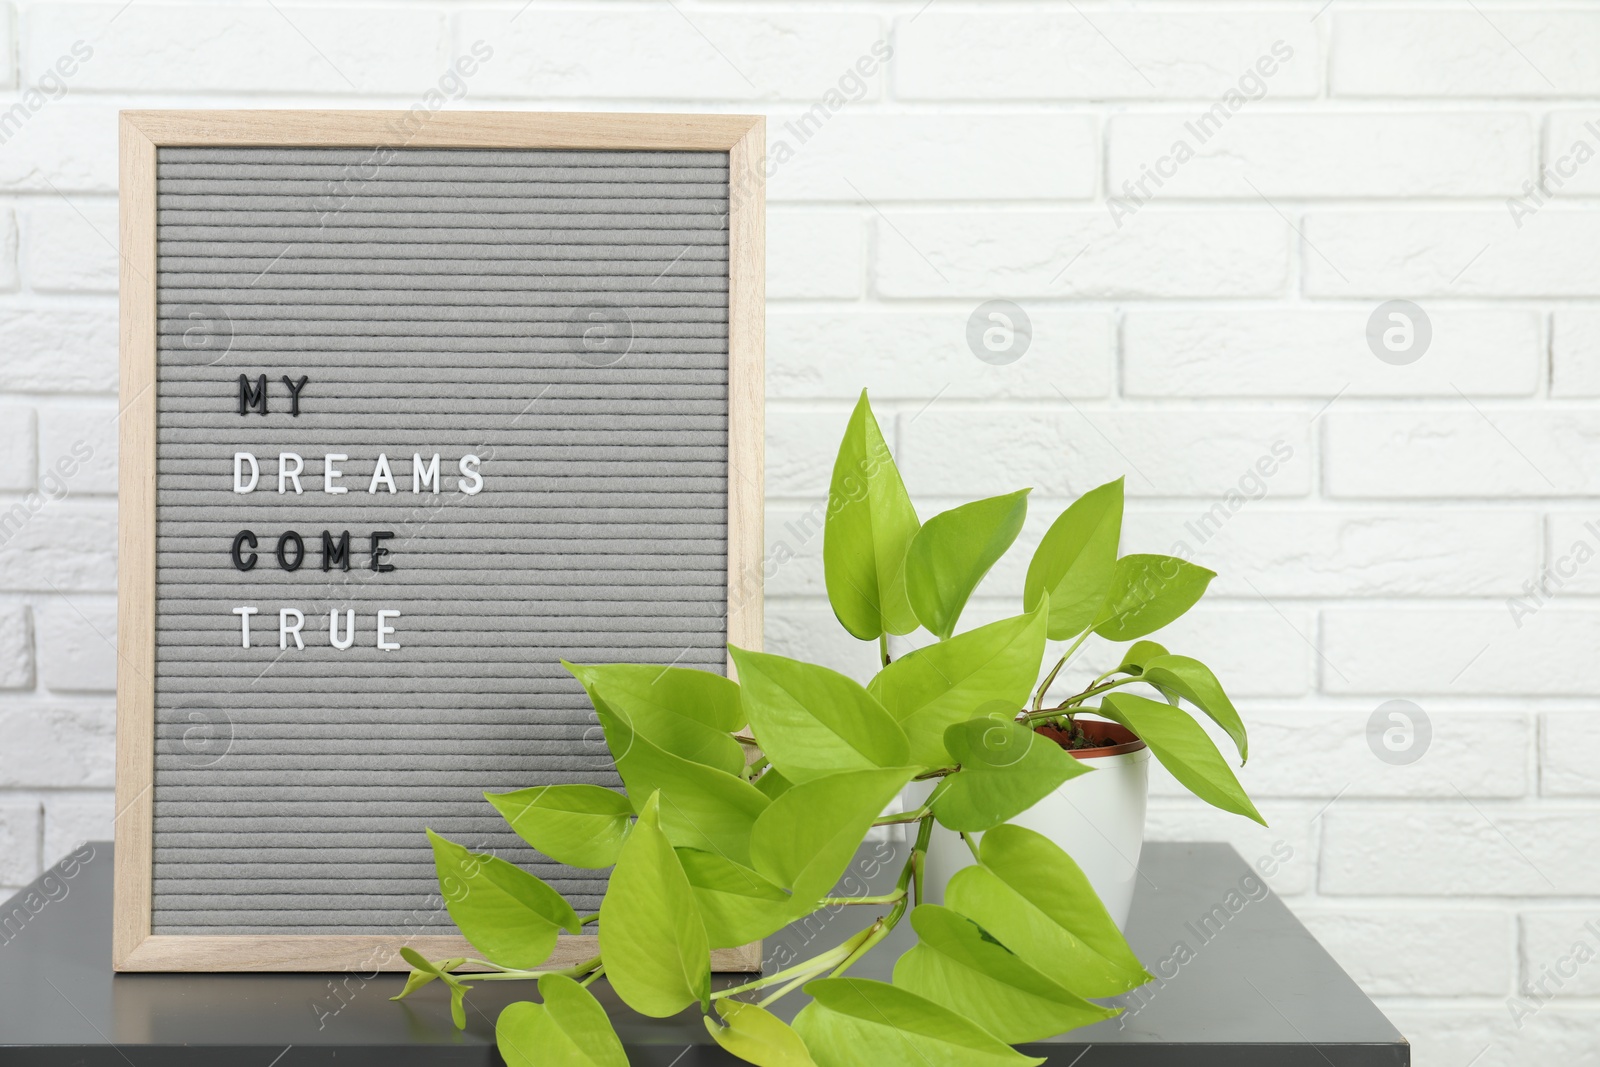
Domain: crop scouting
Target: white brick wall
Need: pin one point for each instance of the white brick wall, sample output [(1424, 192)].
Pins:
[(1219, 304), (1311, 352), (1082, 252), (1308, 155), (1112, 54)]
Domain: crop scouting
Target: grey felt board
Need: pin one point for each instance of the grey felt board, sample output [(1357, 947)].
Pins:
[(438, 301)]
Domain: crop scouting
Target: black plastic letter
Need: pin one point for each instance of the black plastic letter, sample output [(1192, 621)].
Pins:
[(379, 552), (244, 537)]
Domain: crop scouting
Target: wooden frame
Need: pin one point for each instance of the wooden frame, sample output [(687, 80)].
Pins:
[(743, 137)]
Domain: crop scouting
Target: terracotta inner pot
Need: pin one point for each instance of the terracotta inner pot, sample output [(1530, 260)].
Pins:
[(1115, 739)]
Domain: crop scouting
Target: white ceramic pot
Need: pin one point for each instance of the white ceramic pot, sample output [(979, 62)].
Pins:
[(1097, 819)]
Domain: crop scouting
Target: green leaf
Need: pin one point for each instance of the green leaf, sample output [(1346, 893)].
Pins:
[(1030, 895), (1193, 680), (427, 966), (957, 964), (414, 981), (1075, 561), (812, 721), (424, 971), (580, 825), (703, 696), (1006, 769), (509, 915), (1184, 749), (570, 1029), (458, 1005), (953, 551), (1138, 654), (1147, 592), (757, 1036), (657, 956), (933, 688), (856, 1022), (701, 807), (681, 711), (772, 784), (870, 524), (807, 838), (736, 904)]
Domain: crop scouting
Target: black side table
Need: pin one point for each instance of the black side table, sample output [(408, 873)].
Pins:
[(1240, 984)]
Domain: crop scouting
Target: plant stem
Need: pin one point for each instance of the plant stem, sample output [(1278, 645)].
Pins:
[(1044, 687), (504, 974), (883, 647), (814, 965), (593, 975), (904, 816), (843, 956), (853, 945), (884, 898), (753, 771), (970, 844), (478, 963), (875, 933), (919, 852), (1096, 689), (788, 987), (911, 872), (1074, 701)]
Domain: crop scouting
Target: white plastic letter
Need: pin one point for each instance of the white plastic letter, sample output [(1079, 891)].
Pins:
[(384, 630), (333, 629), (382, 473), (239, 460), (471, 482), (424, 475), (244, 625), (330, 473), (284, 629), (287, 474)]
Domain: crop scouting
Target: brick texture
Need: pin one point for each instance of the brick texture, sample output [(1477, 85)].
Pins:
[(1197, 212)]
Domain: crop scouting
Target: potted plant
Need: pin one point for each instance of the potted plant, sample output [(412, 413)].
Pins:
[(888, 574), (747, 800)]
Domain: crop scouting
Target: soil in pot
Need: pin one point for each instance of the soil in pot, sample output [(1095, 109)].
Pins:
[(1091, 738)]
